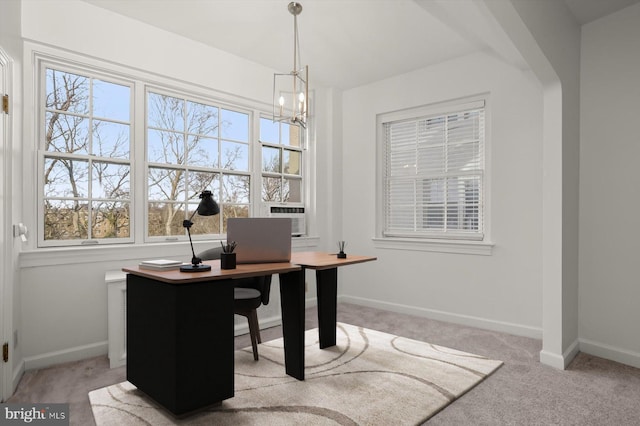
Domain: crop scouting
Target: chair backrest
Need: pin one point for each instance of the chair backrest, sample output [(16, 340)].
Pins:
[(262, 284), (211, 254)]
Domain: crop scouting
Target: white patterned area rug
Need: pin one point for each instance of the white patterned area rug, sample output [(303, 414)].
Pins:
[(368, 378)]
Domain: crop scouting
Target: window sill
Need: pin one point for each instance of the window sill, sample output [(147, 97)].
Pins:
[(126, 253), (442, 246)]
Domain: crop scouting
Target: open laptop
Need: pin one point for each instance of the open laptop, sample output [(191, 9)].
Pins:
[(260, 239)]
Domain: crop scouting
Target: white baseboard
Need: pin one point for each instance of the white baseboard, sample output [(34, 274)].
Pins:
[(612, 353), (17, 375), (560, 361), (591, 347), (487, 324), (66, 355), (571, 352), (552, 359)]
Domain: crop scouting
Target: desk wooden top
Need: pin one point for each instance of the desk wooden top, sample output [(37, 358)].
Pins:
[(322, 260), (175, 276), (308, 259)]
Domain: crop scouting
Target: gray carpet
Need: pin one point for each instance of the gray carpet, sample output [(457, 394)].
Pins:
[(592, 391), (368, 377)]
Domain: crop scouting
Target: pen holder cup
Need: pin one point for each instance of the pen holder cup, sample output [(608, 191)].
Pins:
[(227, 261)]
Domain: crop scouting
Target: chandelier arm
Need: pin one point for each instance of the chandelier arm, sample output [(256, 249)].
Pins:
[(295, 41), (295, 60)]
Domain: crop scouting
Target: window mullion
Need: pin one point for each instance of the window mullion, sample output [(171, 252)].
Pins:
[(139, 185)]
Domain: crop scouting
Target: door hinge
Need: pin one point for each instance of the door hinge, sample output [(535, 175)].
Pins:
[(5, 352), (5, 104)]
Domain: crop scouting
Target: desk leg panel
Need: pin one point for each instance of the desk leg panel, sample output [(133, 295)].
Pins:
[(327, 291), (292, 305), (180, 344)]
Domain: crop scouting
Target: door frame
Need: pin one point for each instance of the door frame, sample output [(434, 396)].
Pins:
[(6, 235)]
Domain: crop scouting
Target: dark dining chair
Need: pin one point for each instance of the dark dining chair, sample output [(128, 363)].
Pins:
[(248, 294)]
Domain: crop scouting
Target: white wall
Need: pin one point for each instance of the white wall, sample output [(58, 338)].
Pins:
[(60, 297), (63, 311), (609, 195), (557, 34), (84, 28), (501, 291), (547, 36)]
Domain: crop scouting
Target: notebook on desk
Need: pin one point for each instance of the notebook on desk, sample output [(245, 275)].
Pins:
[(260, 239)]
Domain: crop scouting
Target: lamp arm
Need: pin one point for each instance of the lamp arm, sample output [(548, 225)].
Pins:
[(194, 260), (207, 207)]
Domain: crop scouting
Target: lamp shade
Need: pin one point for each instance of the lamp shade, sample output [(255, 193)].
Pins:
[(208, 206)]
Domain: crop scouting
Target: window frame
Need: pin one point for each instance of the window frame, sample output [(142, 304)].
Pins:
[(221, 172), (436, 242), (281, 175), (42, 65), (140, 82)]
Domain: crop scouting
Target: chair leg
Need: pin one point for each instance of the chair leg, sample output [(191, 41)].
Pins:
[(254, 329), (256, 326), (252, 318)]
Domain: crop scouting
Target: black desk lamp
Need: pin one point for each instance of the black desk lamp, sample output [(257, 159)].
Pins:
[(207, 207)]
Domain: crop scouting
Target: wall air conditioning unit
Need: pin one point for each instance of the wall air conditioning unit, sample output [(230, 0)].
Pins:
[(298, 226)]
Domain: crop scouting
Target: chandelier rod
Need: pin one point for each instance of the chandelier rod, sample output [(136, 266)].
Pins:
[(295, 9)]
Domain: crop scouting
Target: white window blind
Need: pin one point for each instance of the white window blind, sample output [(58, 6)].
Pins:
[(434, 175)]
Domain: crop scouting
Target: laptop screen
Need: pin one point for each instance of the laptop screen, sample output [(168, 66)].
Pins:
[(260, 239)]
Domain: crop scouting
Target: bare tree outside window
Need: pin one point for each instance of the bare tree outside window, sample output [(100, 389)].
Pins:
[(281, 162), (86, 158), (89, 186), (192, 147)]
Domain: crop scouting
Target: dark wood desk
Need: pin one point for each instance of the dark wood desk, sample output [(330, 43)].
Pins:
[(180, 340), (180, 326)]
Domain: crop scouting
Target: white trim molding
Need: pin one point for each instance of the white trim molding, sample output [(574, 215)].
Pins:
[(66, 355), (442, 246), (560, 361), (126, 252), (612, 353), (471, 321)]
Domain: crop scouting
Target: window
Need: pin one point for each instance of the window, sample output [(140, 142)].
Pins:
[(281, 162), (193, 146), (113, 147), (433, 172), (86, 167)]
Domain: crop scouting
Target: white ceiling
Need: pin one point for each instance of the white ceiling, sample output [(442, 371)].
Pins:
[(346, 43)]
